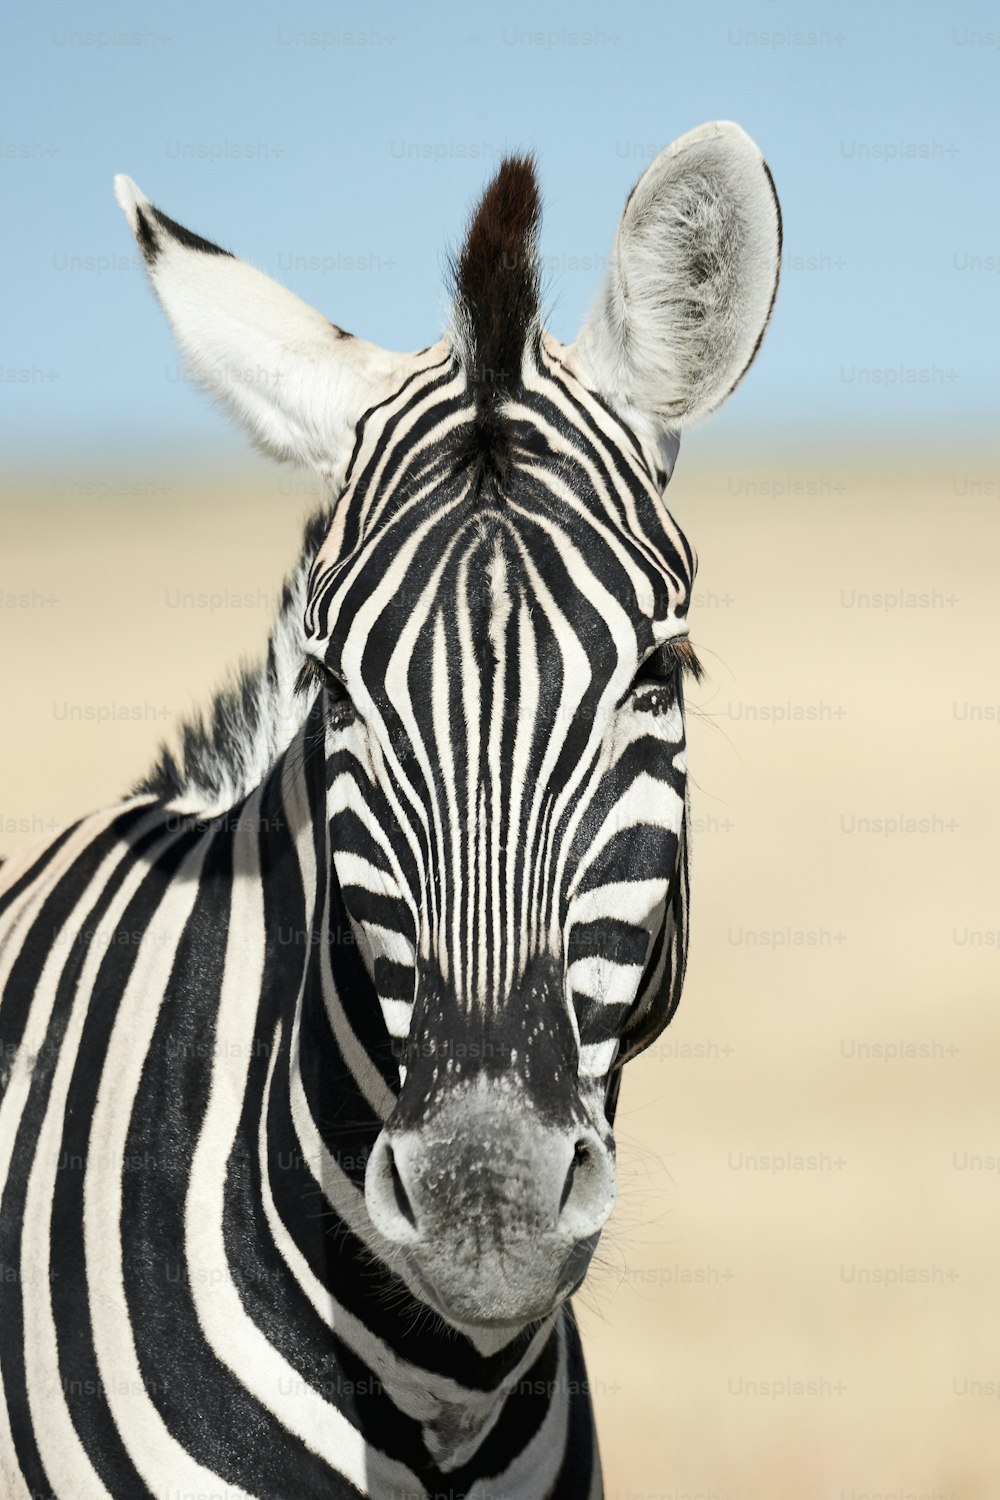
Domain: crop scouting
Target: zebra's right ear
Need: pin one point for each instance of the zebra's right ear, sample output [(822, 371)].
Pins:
[(690, 284), (294, 380)]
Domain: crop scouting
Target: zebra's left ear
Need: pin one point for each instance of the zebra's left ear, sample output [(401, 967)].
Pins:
[(690, 284), (294, 380)]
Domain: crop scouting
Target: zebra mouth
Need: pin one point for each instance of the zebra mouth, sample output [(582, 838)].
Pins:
[(481, 1322), (463, 1304)]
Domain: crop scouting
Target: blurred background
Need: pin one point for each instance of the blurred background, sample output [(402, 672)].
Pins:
[(799, 1295)]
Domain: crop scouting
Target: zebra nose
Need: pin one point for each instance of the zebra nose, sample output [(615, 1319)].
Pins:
[(565, 1188)]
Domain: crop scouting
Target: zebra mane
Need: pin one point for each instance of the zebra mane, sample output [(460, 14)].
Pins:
[(227, 751), (496, 289)]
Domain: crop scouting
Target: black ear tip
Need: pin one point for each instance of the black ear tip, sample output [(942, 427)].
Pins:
[(185, 237), (150, 225), (148, 243)]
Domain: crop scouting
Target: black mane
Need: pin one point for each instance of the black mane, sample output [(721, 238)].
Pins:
[(497, 296)]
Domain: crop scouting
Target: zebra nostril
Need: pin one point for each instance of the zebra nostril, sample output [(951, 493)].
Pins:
[(399, 1191), (589, 1189), (581, 1155), (393, 1211)]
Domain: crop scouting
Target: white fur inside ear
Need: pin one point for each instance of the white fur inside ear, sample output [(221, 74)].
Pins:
[(690, 284), (293, 379)]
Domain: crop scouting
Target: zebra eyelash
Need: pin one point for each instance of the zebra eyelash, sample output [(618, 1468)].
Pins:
[(667, 661), (656, 686), (315, 673)]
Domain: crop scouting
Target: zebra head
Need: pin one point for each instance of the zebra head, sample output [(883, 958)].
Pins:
[(496, 632)]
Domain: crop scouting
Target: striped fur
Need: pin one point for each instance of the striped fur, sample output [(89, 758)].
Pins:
[(418, 886)]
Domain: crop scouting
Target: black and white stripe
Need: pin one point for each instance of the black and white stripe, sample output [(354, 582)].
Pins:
[(310, 1047), (489, 645)]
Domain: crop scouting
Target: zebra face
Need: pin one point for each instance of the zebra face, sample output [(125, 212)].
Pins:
[(497, 620), (501, 645)]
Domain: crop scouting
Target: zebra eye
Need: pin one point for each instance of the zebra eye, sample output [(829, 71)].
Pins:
[(657, 683), (316, 673)]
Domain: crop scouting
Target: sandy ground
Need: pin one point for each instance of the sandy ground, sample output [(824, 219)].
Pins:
[(798, 1295)]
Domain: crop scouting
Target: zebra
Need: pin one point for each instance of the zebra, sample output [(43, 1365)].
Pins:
[(311, 1045)]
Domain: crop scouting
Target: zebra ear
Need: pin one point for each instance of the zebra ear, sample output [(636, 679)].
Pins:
[(294, 380), (690, 284)]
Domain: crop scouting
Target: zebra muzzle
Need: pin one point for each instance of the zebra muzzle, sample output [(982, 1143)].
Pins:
[(495, 1210)]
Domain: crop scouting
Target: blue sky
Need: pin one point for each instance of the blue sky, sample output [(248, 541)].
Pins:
[(341, 146)]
